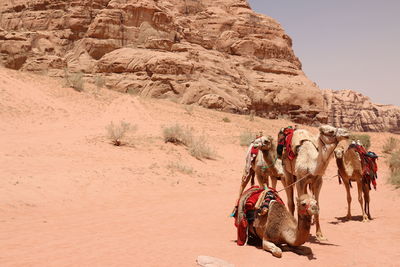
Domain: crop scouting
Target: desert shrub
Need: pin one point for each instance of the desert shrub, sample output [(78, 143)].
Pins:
[(252, 114), (189, 109), (176, 166), (199, 149), (394, 165), (226, 119), (75, 80), (365, 139), (178, 135), (116, 132), (99, 81), (246, 138), (390, 145)]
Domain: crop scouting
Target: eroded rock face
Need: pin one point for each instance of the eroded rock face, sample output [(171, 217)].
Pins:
[(355, 111), (218, 54)]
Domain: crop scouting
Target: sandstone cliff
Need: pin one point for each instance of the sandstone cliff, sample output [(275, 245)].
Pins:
[(218, 54)]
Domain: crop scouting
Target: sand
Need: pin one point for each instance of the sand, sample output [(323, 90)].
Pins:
[(70, 198)]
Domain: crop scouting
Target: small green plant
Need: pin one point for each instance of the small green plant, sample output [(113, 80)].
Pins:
[(365, 139), (116, 132), (226, 119), (199, 149), (246, 138), (390, 145), (74, 80), (176, 166), (176, 134)]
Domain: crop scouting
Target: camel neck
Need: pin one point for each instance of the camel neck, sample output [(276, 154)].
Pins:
[(325, 152), (303, 229)]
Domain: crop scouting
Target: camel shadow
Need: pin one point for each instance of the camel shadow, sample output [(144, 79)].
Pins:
[(314, 240), (300, 250), (344, 219)]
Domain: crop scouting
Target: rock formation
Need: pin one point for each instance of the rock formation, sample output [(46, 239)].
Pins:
[(218, 54)]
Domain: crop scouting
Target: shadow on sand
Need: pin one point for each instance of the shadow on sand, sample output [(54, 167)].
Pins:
[(344, 219)]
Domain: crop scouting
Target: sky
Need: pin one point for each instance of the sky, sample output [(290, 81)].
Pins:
[(344, 44)]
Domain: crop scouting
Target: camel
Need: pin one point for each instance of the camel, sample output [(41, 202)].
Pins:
[(278, 226), (307, 168), (350, 169), (265, 165)]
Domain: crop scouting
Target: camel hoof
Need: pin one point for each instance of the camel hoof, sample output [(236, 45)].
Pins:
[(320, 237), (348, 217), (277, 253)]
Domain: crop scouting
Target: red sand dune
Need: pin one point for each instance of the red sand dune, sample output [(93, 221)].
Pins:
[(70, 198)]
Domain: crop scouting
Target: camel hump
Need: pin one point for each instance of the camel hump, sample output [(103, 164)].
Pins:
[(301, 135)]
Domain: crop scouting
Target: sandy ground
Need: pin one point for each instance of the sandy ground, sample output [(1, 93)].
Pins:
[(70, 198)]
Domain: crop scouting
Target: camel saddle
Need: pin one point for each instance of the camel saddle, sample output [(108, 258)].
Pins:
[(285, 141), (369, 165), (255, 200)]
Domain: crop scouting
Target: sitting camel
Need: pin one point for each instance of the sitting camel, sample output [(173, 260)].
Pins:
[(350, 169), (266, 164), (312, 155), (278, 226)]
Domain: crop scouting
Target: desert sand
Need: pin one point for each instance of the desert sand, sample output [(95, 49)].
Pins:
[(70, 198)]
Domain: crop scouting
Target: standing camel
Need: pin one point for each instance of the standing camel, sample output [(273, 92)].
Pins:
[(265, 165), (350, 169), (312, 155)]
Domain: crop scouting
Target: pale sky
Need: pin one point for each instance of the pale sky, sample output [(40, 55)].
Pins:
[(344, 44)]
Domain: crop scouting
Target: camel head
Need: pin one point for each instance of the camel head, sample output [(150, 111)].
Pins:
[(339, 152), (266, 143), (330, 134), (307, 205)]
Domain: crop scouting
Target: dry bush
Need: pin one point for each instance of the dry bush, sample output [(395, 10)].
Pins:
[(74, 80), (390, 145), (178, 135), (226, 119), (246, 138), (116, 132), (99, 81), (199, 148), (365, 139), (394, 165), (176, 166), (189, 109), (252, 114)]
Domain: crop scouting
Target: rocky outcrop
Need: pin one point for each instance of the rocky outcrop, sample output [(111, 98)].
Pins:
[(215, 53), (355, 111)]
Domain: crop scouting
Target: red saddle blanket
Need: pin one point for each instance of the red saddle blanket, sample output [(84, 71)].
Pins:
[(286, 141), (369, 165), (251, 196)]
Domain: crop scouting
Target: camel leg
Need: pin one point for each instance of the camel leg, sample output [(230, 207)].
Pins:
[(286, 181), (316, 187), (260, 178), (274, 182), (271, 247), (347, 186), (360, 199), (366, 200)]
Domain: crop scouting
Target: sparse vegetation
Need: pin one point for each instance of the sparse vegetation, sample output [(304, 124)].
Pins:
[(74, 80), (176, 134), (176, 166), (365, 139), (197, 146), (390, 145), (199, 149), (246, 138), (99, 81), (189, 109), (394, 165), (116, 132), (252, 114), (226, 119)]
